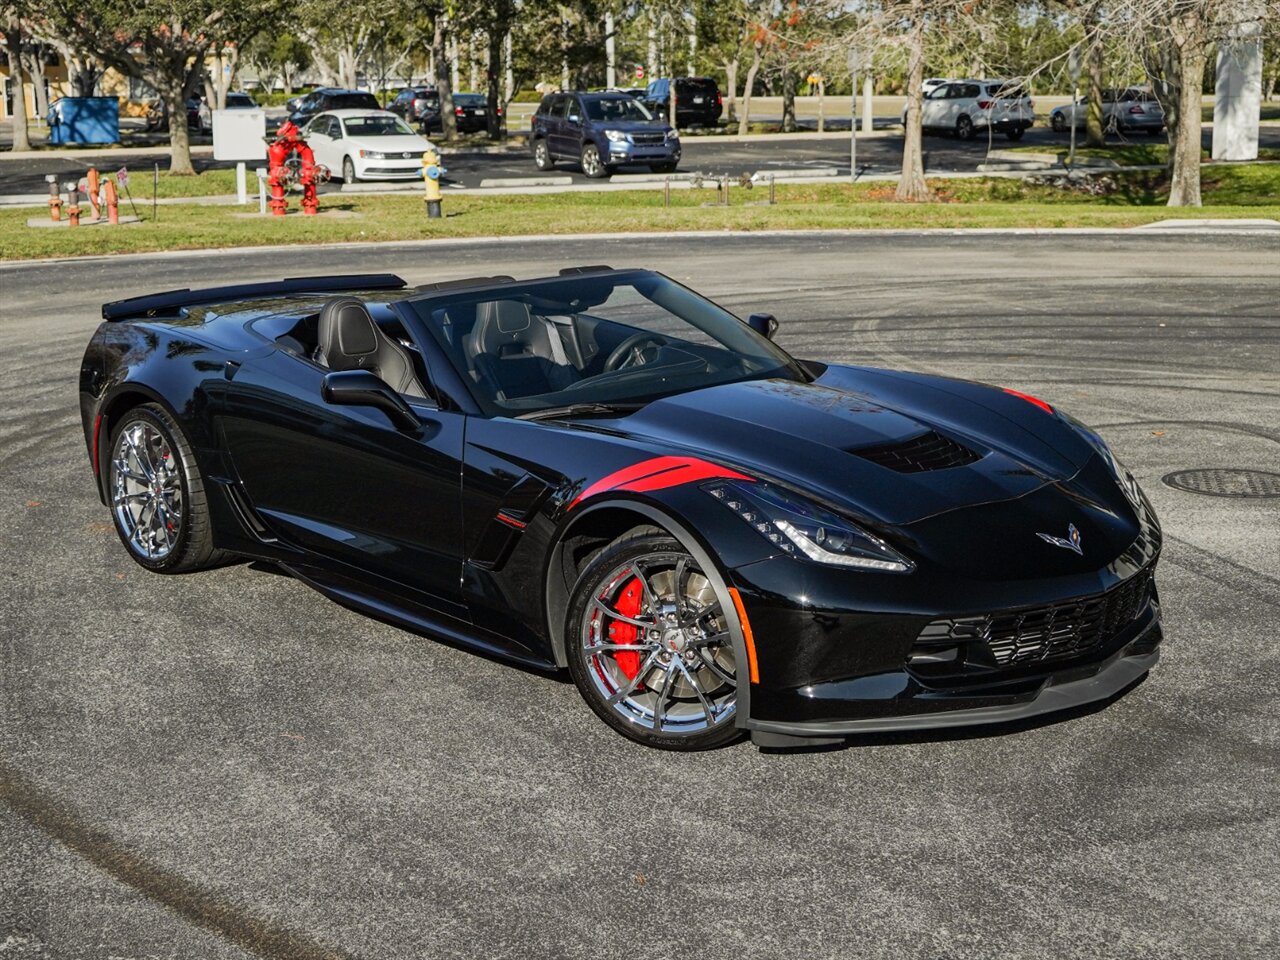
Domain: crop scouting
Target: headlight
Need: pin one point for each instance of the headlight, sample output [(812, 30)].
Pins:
[(616, 136), (373, 154), (671, 135), (793, 524), (1124, 477)]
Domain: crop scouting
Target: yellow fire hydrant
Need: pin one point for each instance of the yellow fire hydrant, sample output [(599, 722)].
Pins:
[(432, 171)]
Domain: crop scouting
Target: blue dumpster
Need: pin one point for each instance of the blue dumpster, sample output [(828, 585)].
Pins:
[(84, 120)]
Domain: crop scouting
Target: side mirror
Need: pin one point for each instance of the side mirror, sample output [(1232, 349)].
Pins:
[(574, 118), (360, 388), (765, 324)]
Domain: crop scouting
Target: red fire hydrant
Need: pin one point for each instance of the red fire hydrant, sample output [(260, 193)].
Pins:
[(289, 141)]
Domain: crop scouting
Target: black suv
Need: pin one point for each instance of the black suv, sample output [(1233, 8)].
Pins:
[(601, 131), (302, 109), (698, 100), (417, 105)]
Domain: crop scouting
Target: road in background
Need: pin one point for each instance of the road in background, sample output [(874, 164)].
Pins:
[(227, 764)]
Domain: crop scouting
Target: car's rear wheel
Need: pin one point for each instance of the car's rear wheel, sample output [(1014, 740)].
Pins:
[(348, 170), (1014, 133), (542, 156), (964, 128), (157, 495), (592, 165), (649, 645), (1058, 122)]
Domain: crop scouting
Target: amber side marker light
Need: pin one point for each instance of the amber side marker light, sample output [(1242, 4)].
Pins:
[(746, 635)]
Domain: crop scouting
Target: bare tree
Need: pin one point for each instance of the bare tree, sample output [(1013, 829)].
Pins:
[(14, 30)]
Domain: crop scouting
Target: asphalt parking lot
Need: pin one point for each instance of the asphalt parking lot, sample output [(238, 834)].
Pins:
[(228, 765), (712, 156)]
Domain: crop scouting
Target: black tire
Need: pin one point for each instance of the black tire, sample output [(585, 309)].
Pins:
[(190, 534), (542, 155), (964, 128), (1154, 131), (663, 167), (593, 164), (1014, 133), (1058, 122), (698, 715)]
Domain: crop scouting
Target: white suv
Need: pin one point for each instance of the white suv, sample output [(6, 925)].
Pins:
[(964, 107)]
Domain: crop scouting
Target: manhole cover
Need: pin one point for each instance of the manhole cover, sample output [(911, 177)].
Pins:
[(1226, 482)]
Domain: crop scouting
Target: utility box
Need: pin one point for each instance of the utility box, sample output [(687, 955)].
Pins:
[(239, 135), (84, 120)]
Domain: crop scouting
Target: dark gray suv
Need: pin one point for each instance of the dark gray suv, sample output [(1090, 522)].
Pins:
[(601, 131)]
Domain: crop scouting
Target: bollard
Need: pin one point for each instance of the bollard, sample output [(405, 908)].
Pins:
[(666, 192), (55, 201), (113, 202), (92, 194), (724, 190), (772, 192), (432, 171), (73, 202), (262, 190)]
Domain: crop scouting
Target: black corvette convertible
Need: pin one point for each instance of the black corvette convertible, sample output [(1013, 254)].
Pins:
[(603, 471)]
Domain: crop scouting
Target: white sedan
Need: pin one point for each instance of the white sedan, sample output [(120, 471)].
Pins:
[(366, 145)]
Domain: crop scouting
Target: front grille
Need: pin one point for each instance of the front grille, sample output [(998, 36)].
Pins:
[(647, 138), (1054, 632), (929, 451)]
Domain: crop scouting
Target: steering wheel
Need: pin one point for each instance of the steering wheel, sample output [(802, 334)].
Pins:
[(628, 352)]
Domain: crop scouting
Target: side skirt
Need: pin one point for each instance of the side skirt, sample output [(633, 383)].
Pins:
[(366, 599)]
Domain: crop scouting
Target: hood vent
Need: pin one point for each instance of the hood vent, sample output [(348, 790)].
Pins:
[(929, 451)]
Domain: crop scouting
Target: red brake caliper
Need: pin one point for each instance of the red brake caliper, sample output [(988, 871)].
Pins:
[(627, 604)]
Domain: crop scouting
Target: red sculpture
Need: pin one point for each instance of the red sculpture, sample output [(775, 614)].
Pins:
[(291, 161)]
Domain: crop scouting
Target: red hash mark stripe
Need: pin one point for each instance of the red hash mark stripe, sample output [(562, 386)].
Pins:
[(658, 474), (1030, 399)]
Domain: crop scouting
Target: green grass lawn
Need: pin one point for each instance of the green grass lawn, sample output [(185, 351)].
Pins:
[(1136, 199)]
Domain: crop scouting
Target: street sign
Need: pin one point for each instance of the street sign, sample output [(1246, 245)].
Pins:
[(1073, 64), (639, 72), (122, 177), (857, 59)]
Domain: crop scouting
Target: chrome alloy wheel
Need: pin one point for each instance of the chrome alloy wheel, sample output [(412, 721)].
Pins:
[(656, 646), (592, 165), (146, 491)]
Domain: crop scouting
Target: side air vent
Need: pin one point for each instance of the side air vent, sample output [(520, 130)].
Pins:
[(929, 451)]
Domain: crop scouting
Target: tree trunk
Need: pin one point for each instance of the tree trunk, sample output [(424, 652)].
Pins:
[(33, 66), (1185, 147), (493, 80), (1095, 132), (13, 42), (731, 81), (788, 101), (448, 122), (174, 92), (912, 185), (744, 116), (610, 52)]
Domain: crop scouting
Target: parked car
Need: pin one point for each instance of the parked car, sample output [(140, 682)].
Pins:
[(235, 101), (605, 472), (158, 115), (601, 131), (698, 101), (302, 109), (1131, 108), (366, 145), (964, 107), (470, 113), (415, 105), (932, 84)]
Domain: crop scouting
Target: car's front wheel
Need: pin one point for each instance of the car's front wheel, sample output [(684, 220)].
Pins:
[(157, 494), (348, 170), (592, 164), (1058, 123), (964, 128), (1014, 133), (542, 156), (649, 645)]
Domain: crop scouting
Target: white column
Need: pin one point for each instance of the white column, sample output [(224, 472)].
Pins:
[(868, 88), (1237, 106), (610, 50)]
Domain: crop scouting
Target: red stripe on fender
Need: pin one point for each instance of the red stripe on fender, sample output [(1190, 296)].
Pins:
[(97, 432), (658, 473), (1030, 399)]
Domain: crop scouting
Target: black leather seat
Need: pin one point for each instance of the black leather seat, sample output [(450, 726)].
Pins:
[(516, 353), (351, 340)]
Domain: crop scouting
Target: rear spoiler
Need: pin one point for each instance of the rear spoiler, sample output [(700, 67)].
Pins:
[(172, 300)]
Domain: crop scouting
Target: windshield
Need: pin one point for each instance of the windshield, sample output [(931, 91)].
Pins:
[(617, 108), (470, 99), (388, 126), (618, 338)]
